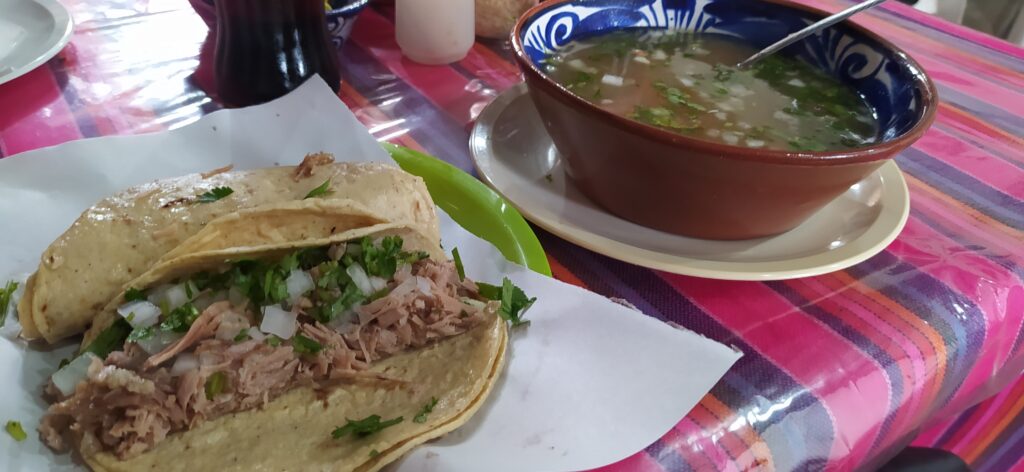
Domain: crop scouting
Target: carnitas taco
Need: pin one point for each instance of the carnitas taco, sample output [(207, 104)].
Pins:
[(125, 235), (334, 354), (303, 334)]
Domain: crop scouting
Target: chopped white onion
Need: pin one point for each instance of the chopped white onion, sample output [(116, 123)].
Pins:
[(743, 125), (404, 288), (184, 362), (158, 341), (140, 313), (755, 143), (607, 101), (299, 283), (423, 285), (279, 322), (173, 295), (612, 80), (687, 81), (256, 335), (359, 277), (730, 138), (714, 132), (582, 66), (659, 55), (796, 83), (721, 115), (68, 377), (641, 59), (378, 283)]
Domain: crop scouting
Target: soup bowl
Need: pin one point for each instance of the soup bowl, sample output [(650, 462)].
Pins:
[(705, 189)]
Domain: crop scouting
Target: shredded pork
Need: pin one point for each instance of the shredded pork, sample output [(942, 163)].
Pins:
[(130, 401)]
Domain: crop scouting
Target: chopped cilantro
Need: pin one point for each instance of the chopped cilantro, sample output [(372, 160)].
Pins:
[(374, 453), (110, 339), (215, 384), (5, 299), (63, 362), (514, 301), (549, 178), (180, 319), (138, 334), (383, 260), (273, 340), (304, 345), (364, 427), (458, 264), (330, 308), (134, 295), (16, 431), (421, 417), (242, 335), (323, 190), (214, 194)]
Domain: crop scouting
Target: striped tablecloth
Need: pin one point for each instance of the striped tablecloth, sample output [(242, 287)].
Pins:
[(840, 371)]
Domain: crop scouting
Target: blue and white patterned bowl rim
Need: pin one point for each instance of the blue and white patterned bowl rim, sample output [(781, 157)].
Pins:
[(892, 84)]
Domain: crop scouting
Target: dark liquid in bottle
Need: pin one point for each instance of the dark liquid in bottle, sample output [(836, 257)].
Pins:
[(266, 48)]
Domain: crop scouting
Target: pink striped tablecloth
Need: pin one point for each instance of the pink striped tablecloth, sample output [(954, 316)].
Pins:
[(841, 370)]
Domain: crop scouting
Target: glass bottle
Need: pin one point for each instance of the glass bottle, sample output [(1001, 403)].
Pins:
[(266, 48)]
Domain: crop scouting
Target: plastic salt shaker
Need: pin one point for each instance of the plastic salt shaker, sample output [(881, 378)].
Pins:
[(434, 31)]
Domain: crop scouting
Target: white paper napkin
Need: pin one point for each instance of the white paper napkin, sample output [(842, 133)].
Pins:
[(588, 383)]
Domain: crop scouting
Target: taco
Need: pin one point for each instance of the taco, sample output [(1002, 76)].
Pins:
[(327, 353), (125, 235)]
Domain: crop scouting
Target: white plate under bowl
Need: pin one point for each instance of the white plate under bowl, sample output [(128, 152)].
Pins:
[(43, 26), (516, 157)]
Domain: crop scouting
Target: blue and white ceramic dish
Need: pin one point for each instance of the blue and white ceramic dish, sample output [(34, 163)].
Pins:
[(890, 81), (699, 188), (342, 17)]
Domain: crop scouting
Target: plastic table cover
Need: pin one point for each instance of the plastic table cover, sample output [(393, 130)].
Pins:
[(840, 371)]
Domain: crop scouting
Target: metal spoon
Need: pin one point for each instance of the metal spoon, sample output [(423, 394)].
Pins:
[(809, 30)]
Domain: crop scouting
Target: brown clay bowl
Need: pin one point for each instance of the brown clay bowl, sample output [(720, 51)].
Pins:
[(705, 189)]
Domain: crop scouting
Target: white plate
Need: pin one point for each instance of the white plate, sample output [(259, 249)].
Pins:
[(37, 30), (515, 155)]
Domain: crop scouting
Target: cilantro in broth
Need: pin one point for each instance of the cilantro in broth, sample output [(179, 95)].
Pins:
[(214, 194), (663, 118), (364, 427)]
